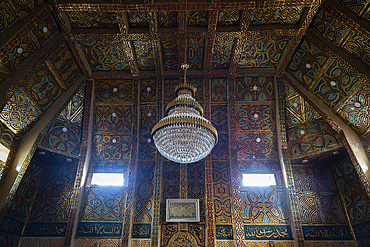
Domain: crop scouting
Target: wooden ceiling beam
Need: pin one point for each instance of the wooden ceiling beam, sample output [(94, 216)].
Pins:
[(153, 28), (305, 21), (351, 17), (180, 7), (95, 30), (355, 62), (210, 43)]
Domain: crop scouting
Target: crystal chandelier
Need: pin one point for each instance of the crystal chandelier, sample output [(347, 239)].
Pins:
[(184, 135)]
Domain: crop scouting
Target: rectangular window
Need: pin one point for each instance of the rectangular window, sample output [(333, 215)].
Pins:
[(258, 179), (4, 152), (107, 179)]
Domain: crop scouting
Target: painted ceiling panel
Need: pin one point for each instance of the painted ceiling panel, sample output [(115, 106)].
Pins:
[(329, 26), (308, 60), (167, 19), (105, 120), (196, 53), (222, 53), (19, 114), (104, 55), (46, 29), (219, 89), (311, 138), (290, 15), (3, 73), (357, 115), (64, 64), (262, 52), (18, 52), (24, 8), (113, 91), (144, 55), (197, 18), (138, 19), (109, 147), (228, 18), (9, 18), (357, 45), (74, 109), (42, 87), (83, 19), (7, 137), (356, 6), (170, 54), (256, 117), (248, 149)]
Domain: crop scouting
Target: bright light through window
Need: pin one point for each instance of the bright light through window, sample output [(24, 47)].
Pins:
[(113, 179), (259, 179), (4, 152)]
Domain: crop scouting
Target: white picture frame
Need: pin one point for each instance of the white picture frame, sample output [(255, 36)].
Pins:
[(182, 210)]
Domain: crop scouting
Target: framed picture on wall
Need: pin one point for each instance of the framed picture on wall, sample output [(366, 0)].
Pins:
[(182, 210)]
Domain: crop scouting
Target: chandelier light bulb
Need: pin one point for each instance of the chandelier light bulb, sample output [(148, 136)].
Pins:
[(184, 135)]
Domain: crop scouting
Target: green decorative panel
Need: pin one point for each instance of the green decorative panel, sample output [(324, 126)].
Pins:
[(45, 229), (222, 53), (99, 229), (224, 232), (267, 232), (327, 233), (93, 19), (141, 230)]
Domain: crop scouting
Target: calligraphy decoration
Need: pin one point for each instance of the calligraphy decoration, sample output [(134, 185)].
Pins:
[(182, 210)]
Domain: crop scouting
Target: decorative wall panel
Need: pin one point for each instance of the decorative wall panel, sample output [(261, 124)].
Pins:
[(197, 18), (219, 117), (7, 137), (92, 242), (112, 118), (41, 242), (319, 200), (221, 150), (196, 185), (256, 117), (42, 35), (138, 19), (170, 185), (148, 117), (228, 18), (111, 147), (9, 17), (248, 148), (8, 240), (148, 91), (254, 89), (222, 193), (113, 91), (167, 19), (13, 56), (24, 8), (219, 90), (170, 85)]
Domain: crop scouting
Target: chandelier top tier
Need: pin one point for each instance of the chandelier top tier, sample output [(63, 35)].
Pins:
[(184, 135)]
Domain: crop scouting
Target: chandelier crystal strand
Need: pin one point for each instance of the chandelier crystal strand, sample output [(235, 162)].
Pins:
[(184, 135)]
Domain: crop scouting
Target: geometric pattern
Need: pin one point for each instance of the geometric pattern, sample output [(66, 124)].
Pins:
[(68, 142), (148, 90), (167, 19), (355, 197), (42, 87), (103, 204), (96, 19), (219, 90), (24, 8), (311, 138), (255, 117), (52, 202), (170, 54), (219, 117), (254, 88), (121, 120), (358, 47), (73, 112), (222, 195), (12, 58), (144, 55), (138, 19), (290, 15), (170, 185), (357, 117), (222, 53), (42, 37), (196, 53), (9, 18), (317, 195), (147, 148), (147, 117), (104, 55), (7, 137), (197, 18), (247, 146), (221, 150), (42, 242), (113, 91), (19, 114), (196, 185), (262, 52), (228, 18), (111, 147), (264, 205), (102, 242)]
